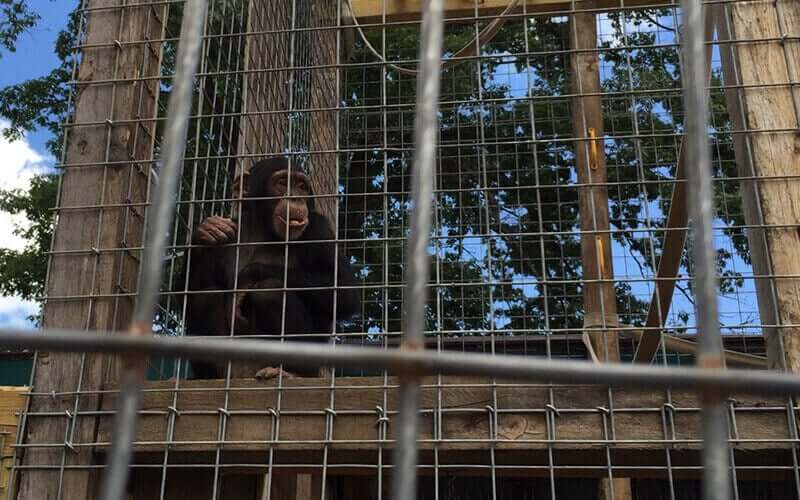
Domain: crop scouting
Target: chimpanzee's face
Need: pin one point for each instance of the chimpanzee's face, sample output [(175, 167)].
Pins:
[(289, 214)]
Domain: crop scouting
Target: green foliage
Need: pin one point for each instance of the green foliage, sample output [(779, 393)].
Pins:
[(15, 18), (43, 102), (507, 221), (30, 105), (23, 272), (507, 217)]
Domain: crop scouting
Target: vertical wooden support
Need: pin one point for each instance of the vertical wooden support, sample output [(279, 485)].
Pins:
[(108, 153), (620, 491), (265, 119), (296, 486), (587, 117), (324, 100), (769, 151), (599, 298)]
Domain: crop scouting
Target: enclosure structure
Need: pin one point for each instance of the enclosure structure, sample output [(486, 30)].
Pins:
[(559, 231)]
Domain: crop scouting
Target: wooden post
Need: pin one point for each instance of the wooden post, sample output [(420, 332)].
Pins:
[(764, 109), (599, 298), (265, 116), (106, 169), (324, 99)]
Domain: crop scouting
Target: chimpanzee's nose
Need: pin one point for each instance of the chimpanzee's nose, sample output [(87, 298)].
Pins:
[(298, 212)]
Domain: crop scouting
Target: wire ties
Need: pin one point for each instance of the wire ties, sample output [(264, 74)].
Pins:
[(68, 445), (382, 418)]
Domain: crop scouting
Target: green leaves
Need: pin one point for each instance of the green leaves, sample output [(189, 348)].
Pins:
[(23, 272), (15, 19)]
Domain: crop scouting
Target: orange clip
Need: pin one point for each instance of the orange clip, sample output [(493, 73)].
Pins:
[(600, 256), (592, 148)]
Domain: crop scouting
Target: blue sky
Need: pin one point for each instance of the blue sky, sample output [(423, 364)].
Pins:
[(35, 56), (22, 159)]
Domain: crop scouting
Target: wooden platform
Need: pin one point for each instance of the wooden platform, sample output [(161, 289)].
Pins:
[(307, 414)]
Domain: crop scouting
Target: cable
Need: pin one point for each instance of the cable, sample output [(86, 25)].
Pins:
[(468, 50)]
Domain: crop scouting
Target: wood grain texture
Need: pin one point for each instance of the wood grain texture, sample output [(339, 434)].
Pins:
[(106, 163), (640, 419), (774, 150), (599, 297), (12, 403)]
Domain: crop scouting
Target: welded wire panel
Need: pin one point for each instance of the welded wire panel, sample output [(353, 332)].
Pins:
[(559, 222)]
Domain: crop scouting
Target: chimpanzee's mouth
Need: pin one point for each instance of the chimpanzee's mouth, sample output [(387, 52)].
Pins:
[(293, 222)]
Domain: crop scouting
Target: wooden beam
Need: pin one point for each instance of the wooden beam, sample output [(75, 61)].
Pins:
[(83, 272), (462, 408), (684, 346), (599, 297), (674, 242), (372, 11), (771, 156), (668, 267)]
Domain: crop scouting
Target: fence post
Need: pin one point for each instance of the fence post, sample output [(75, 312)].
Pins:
[(92, 273)]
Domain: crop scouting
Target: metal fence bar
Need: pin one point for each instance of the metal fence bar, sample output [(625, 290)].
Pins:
[(159, 220), (407, 361), (716, 480), (426, 132)]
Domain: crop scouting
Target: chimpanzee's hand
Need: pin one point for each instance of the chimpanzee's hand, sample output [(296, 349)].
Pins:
[(215, 230)]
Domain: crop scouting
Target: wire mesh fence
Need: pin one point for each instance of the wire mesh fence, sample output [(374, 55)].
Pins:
[(565, 142)]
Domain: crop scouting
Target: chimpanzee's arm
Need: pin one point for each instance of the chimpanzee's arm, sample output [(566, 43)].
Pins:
[(319, 263), (208, 313)]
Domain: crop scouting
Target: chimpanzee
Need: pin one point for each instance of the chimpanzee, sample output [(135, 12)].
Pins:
[(277, 207)]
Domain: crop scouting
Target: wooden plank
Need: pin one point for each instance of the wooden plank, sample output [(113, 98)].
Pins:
[(638, 417), (760, 65), (372, 11), (684, 346), (90, 269), (12, 402), (668, 266), (599, 297)]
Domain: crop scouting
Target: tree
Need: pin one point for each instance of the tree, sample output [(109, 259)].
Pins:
[(37, 103), (15, 19), (507, 218), (507, 213)]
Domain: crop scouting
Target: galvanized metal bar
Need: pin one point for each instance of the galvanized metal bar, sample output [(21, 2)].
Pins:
[(716, 479), (426, 133), (407, 361), (159, 220)]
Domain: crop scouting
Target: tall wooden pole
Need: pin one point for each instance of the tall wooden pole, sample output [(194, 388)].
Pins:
[(106, 168), (599, 299), (767, 53)]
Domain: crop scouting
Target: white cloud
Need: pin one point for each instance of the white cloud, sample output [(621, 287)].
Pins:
[(14, 312), (20, 163)]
